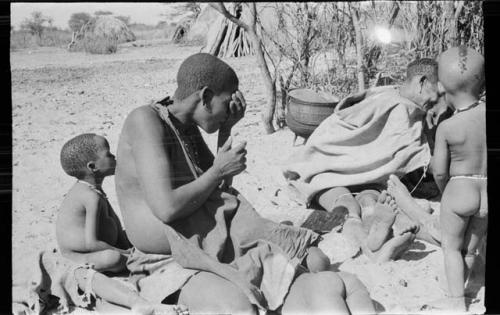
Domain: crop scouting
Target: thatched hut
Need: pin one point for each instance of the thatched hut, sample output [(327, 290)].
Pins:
[(103, 27), (182, 28), (222, 37)]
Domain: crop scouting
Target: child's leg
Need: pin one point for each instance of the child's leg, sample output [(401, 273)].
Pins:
[(104, 260), (357, 297), (117, 294), (454, 227), (316, 293), (339, 197), (474, 234), (317, 260)]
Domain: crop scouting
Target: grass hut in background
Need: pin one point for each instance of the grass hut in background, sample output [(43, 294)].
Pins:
[(101, 35), (182, 29), (222, 37)]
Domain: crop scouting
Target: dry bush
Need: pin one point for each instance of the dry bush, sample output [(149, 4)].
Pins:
[(99, 45), (148, 32), (50, 38)]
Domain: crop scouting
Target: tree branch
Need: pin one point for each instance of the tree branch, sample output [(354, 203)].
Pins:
[(221, 8)]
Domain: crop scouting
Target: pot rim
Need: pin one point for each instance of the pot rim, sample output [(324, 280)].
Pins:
[(302, 102)]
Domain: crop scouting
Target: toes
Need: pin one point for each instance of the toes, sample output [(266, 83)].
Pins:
[(382, 197)]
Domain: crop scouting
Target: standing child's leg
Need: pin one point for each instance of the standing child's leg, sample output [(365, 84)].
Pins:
[(453, 229), (474, 234)]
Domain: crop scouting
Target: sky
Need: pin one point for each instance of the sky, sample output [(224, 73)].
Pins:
[(140, 12)]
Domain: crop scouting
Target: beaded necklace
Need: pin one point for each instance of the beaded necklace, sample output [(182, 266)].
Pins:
[(94, 188), (459, 110), (188, 147)]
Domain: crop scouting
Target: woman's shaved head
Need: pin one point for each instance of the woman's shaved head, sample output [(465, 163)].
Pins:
[(200, 70), (461, 69)]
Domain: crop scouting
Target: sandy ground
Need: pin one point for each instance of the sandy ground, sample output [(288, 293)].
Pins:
[(57, 95)]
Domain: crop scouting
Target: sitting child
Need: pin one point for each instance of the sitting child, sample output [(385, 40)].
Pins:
[(89, 233), (459, 167), (87, 228)]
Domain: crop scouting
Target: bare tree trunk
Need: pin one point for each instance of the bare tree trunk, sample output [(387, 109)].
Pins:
[(269, 83), (454, 14), (359, 46)]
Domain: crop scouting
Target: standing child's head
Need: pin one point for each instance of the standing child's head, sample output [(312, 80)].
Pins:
[(87, 155), (461, 72), (206, 83)]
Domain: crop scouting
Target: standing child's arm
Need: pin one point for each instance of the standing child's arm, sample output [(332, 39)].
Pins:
[(441, 158), (92, 243)]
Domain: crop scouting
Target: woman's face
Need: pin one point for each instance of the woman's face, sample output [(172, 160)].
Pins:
[(216, 112)]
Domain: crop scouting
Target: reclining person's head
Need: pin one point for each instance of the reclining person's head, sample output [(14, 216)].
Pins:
[(422, 79), (461, 73), (205, 83), (87, 155)]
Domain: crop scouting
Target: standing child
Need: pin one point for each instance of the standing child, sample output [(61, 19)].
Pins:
[(89, 233), (459, 167)]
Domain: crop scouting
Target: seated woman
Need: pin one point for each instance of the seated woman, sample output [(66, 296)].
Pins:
[(359, 146), (197, 241)]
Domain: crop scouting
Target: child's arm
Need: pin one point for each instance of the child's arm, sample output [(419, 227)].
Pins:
[(441, 158), (92, 244)]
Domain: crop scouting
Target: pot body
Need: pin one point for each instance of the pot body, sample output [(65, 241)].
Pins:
[(305, 112)]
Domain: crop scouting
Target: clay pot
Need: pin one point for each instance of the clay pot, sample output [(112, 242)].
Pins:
[(306, 109)]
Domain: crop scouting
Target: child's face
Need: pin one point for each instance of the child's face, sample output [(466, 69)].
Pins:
[(105, 162)]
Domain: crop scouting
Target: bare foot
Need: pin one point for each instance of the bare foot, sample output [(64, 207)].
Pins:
[(454, 304), (367, 198), (404, 200), (404, 224), (383, 219), (145, 308), (395, 247)]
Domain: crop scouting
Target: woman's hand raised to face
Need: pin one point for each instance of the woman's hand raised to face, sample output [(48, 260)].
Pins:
[(237, 107)]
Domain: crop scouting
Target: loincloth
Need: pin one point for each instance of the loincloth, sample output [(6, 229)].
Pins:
[(156, 276), (54, 276)]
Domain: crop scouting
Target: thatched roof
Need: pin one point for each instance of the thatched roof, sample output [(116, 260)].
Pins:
[(225, 39), (107, 27)]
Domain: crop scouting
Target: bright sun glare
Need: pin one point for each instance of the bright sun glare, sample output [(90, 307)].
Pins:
[(383, 34)]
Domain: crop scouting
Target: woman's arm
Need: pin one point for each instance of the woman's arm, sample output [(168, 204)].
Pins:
[(149, 141), (149, 148)]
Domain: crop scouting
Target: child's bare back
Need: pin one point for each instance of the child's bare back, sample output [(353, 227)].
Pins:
[(459, 167), (465, 135)]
